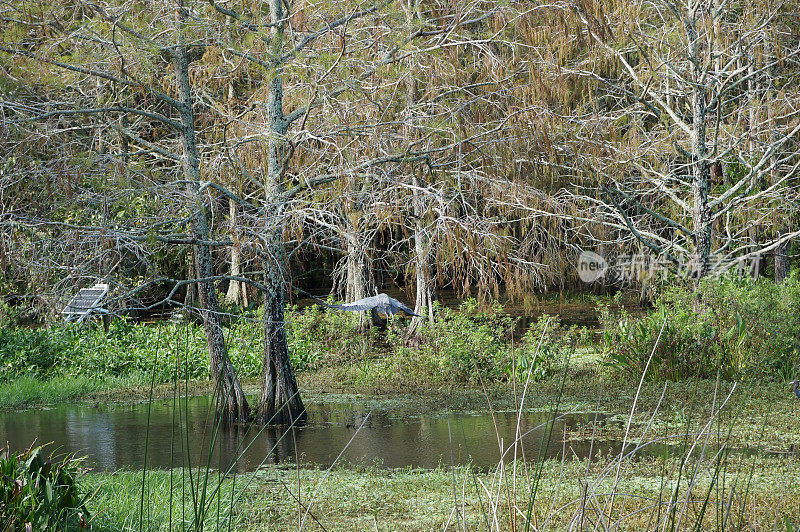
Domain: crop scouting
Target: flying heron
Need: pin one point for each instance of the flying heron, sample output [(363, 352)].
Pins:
[(796, 388), (380, 304)]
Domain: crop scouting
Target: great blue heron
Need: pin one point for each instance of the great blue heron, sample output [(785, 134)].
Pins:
[(381, 304), (796, 387)]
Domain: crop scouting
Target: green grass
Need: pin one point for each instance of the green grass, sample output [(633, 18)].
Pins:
[(750, 330), (29, 391), (116, 501), (759, 492), (360, 498)]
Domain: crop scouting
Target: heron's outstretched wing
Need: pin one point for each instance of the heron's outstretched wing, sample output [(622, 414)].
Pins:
[(406, 309), (357, 306)]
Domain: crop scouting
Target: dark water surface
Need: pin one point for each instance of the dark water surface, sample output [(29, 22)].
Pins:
[(115, 436)]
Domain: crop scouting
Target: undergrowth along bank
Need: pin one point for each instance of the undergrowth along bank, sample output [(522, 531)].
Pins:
[(743, 330), (460, 343)]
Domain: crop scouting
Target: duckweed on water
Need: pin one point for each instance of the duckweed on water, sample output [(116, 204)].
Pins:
[(346, 499)]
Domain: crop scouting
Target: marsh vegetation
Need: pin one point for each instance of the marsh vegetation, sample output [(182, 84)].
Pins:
[(555, 427), (593, 209)]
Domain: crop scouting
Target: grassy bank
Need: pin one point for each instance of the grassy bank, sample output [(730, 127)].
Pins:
[(743, 492), (740, 331), (27, 391), (30, 391), (705, 482)]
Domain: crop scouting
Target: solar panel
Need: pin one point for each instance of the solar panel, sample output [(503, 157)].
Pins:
[(84, 302)]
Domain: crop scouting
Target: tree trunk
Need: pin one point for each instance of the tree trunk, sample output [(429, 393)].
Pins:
[(280, 399), (237, 291), (190, 298), (701, 214), (123, 140), (281, 403), (233, 404), (782, 264), (426, 288), (781, 255), (754, 231), (357, 281)]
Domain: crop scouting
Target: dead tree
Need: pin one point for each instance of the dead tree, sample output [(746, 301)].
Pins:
[(318, 128), (665, 112), (125, 47)]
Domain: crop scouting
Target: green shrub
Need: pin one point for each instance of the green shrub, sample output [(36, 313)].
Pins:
[(463, 345), (744, 329), (162, 351), (166, 349), (40, 491), (687, 346), (758, 323), (318, 336), (469, 344), (469, 341), (543, 344), (31, 351), (13, 315)]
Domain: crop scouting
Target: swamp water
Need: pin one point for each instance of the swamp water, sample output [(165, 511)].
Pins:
[(117, 436)]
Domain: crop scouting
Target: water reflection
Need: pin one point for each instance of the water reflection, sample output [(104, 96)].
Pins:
[(184, 433)]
